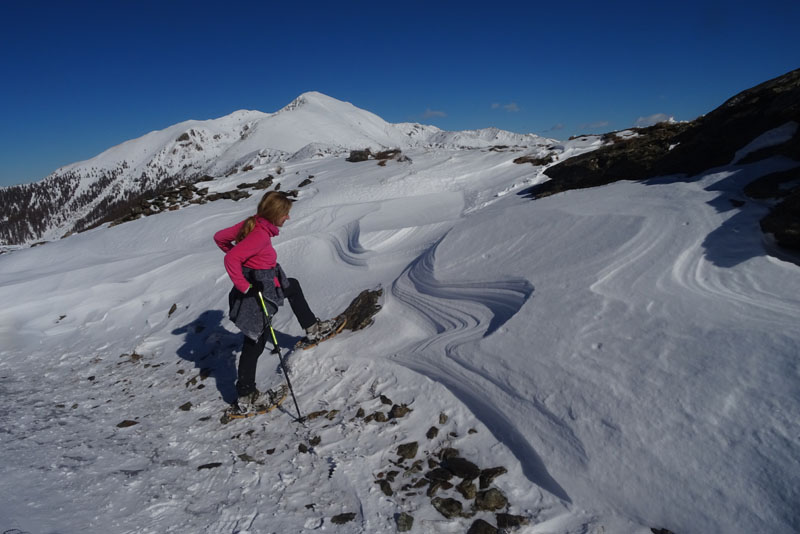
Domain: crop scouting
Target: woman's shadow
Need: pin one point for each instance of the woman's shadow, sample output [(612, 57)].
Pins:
[(214, 350)]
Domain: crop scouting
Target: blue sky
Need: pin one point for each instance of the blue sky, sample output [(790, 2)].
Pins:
[(80, 77)]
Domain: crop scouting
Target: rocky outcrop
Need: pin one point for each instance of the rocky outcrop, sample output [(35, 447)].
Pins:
[(684, 150)]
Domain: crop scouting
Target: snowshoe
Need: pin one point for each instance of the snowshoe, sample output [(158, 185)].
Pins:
[(321, 331), (262, 405)]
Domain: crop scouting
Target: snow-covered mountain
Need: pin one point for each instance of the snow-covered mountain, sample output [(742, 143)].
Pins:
[(81, 195)]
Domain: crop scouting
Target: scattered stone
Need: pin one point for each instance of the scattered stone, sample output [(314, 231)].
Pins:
[(448, 452), (432, 432), (468, 489), (449, 508), (380, 417), (91, 378), (408, 450), (341, 519), (314, 415), (391, 475), (491, 500), (305, 182), (405, 522), (440, 473), (303, 448), (442, 418), (360, 413), (661, 531), (386, 400), (398, 411), (359, 155), (462, 468), (472, 431), (126, 423), (436, 485), (488, 475), (331, 415), (212, 465), (247, 458), (386, 488), (185, 407), (316, 440), (481, 527), (511, 521), (270, 451), (172, 310)]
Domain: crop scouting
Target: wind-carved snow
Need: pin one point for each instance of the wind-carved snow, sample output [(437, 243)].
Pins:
[(628, 353)]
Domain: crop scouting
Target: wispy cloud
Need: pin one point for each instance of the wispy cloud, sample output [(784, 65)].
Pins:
[(650, 120), (555, 128), (593, 125), (433, 113), (511, 107)]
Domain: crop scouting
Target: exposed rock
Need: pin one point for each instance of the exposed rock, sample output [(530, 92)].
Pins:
[(126, 423), (341, 519), (405, 522), (440, 473), (359, 155), (386, 400), (491, 500), (442, 418), (468, 489), (399, 411), (481, 527), (172, 310), (448, 452), (386, 488), (408, 450), (488, 475), (449, 508), (462, 468), (362, 309), (432, 432), (212, 465), (436, 485), (185, 407), (511, 521)]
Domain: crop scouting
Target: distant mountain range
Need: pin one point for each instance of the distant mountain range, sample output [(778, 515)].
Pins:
[(88, 193)]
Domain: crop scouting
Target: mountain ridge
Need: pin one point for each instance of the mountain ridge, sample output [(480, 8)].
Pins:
[(84, 194)]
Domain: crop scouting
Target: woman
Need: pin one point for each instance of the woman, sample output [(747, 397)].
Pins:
[(251, 262)]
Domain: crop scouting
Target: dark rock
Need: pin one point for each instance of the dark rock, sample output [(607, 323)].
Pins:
[(436, 485), (341, 519), (380, 417), (468, 489), (303, 448), (661, 531), (448, 452), (270, 451), (399, 411), (386, 400), (432, 432), (405, 522), (536, 161), (360, 413), (481, 527), (212, 465), (126, 423), (488, 475), (440, 473), (491, 500), (462, 468), (305, 182), (408, 450), (359, 155), (316, 440), (315, 415), (386, 488), (362, 309), (442, 418), (185, 407), (449, 508), (172, 310), (511, 521)]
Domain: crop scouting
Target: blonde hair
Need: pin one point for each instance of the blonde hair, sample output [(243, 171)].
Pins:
[(272, 207)]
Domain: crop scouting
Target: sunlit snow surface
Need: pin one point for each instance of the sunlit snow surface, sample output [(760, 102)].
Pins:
[(629, 353)]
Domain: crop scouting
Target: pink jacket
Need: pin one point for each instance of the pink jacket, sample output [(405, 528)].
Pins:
[(254, 251)]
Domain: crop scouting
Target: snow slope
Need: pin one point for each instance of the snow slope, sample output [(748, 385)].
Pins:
[(628, 353)]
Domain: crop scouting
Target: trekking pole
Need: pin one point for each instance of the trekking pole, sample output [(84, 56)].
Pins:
[(277, 350)]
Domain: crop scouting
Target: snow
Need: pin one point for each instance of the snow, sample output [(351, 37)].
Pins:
[(628, 353)]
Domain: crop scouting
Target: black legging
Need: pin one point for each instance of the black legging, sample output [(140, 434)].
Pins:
[(252, 349)]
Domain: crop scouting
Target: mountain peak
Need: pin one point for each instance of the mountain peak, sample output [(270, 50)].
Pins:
[(311, 98)]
